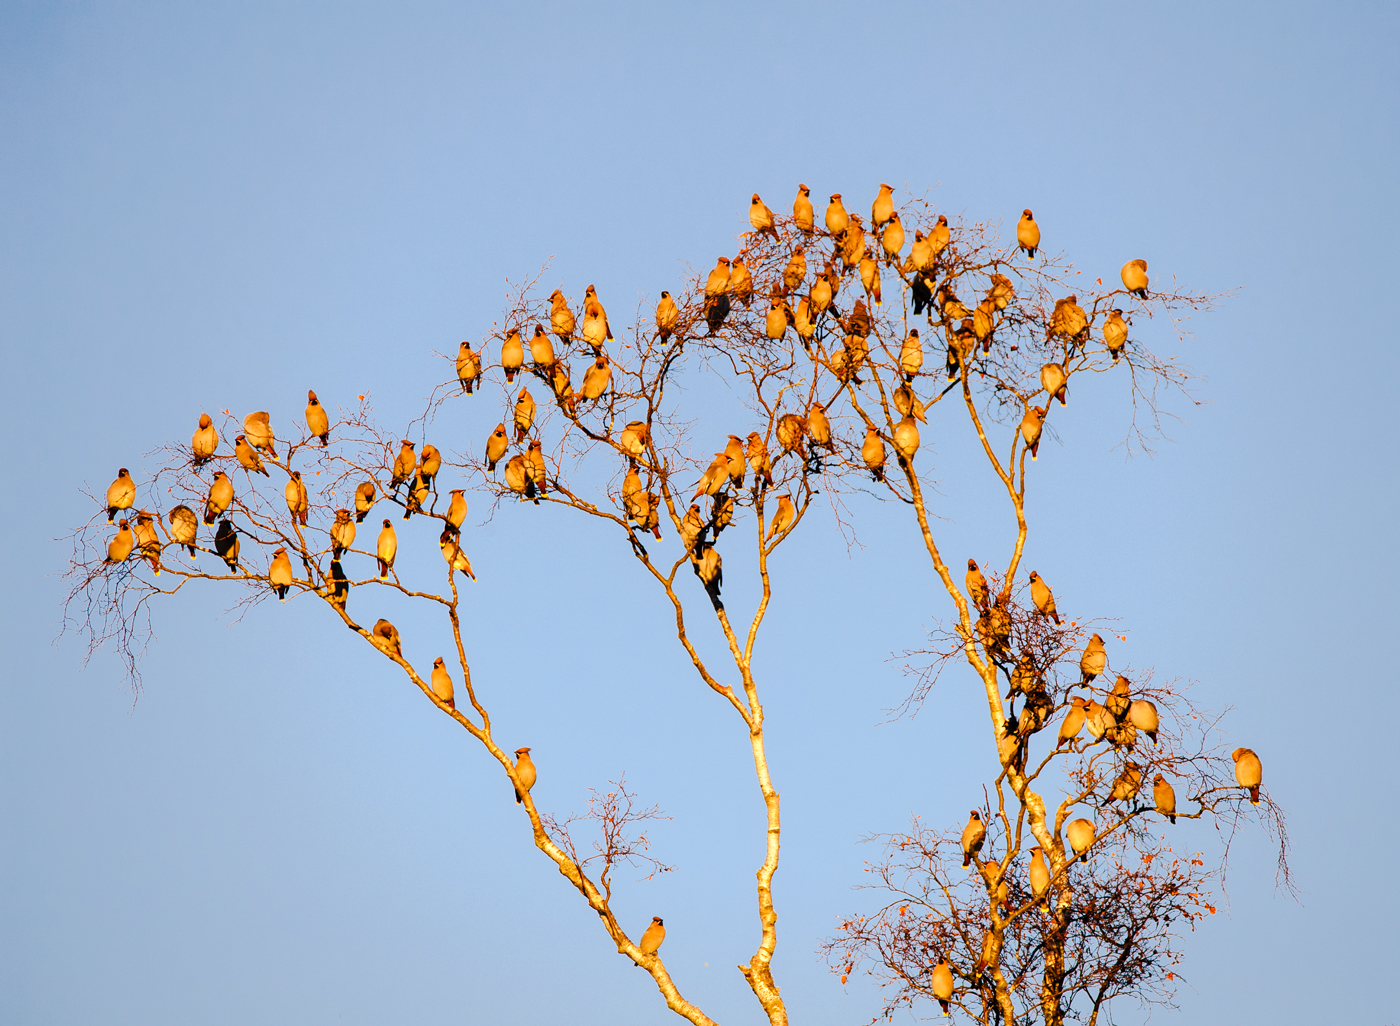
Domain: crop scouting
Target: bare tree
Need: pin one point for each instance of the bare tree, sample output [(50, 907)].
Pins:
[(829, 377)]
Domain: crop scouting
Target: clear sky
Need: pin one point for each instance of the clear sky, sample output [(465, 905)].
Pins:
[(210, 206)]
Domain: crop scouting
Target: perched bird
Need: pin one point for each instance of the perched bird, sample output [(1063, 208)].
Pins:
[(1068, 318), (906, 438), (1115, 334), (633, 439), (184, 527), (404, 465), (852, 244), (318, 425), (386, 549), (147, 540), (892, 238), (1043, 598), (429, 462), (457, 509), (258, 431), (561, 318), (883, 207), (818, 426), (535, 466), (761, 217), (716, 310), (279, 574), (419, 492), (364, 500), (921, 255), (121, 494), (940, 985), (295, 494), (976, 583), (1165, 797), (119, 548), (973, 835), (820, 297), (563, 387), (1142, 714), (1028, 233), (1098, 720), (595, 320), (782, 519), (714, 477), (1127, 785), (1249, 772), (226, 543), (759, 459), (633, 495), (709, 568), (385, 637), (205, 441), (442, 683), (1001, 292), (451, 546), (1039, 873), (1134, 275), (911, 355), (220, 497), (342, 533), (1081, 835), (775, 321), (940, 236), (1073, 722), (803, 320), (795, 273), (920, 292), (836, 217), (741, 281), (652, 522), (524, 414), (802, 210), (734, 453), (791, 430), (997, 889), (907, 403), (1119, 698), (596, 378), (541, 349), (1094, 659), (1031, 426), (496, 447), (512, 354), (525, 771), (1054, 380), (870, 277), (692, 526), (339, 586), (517, 477), (248, 457), (873, 452), (468, 367), (717, 284), (655, 933), (667, 315)]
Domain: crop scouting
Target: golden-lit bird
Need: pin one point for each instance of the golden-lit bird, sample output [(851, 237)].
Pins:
[(1115, 334), (952, 308), (1165, 797), (1119, 699), (342, 533), (248, 457), (561, 318), (655, 933), (1068, 318), (1025, 678), (782, 519), (524, 771), (279, 573), (802, 215), (921, 257), (883, 207), (1127, 784), (734, 454), (258, 430), (633, 439), (1142, 714), (468, 367), (667, 315), (429, 462), (451, 546), (496, 447), (442, 683), (761, 217), (226, 543), (818, 426), (714, 477), (852, 244), (634, 495), (385, 637), (386, 549), (775, 321), (541, 349), (1028, 233), (759, 459), (517, 477), (184, 527), (1134, 275), (940, 236), (819, 299), (1043, 597), (1073, 722), (405, 463), (512, 354), (873, 452), (940, 985), (318, 425), (976, 583), (535, 466), (973, 836), (419, 492), (364, 500), (595, 320), (524, 416), (795, 273), (295, 494), (220, 497), (790, 431), (717, 284), (892, 239), (1055, 382), (596, 378), (1249, 772), (1098, 720), (563, 387), (741, 281), (997, 890), (692, 525), (457, 509), (1094, 659), (906, 438), (119, 548), (984, 323), (870, 277), (836, 217), (911, 355), (121, 494), (1031, 426), (1001, 292), (907, 403), (802, 320), (205, 441), (1081, 835), (1039, 873), (710, 569)]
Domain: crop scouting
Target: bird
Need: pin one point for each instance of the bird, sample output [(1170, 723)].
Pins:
[(818, 426), (873, 452), (451, 546), (318, 425), (226, 543), (790, 431), (1127, 784), (364, 500), (1081, 835), (782, 519), (1115, 334), (921, 257), (525, 772), (775, 321), (1119, 698), (468, 367), (561, 318), (121, 494), (852, 244), (907, 403), (429, 462), (248, 457), (803, 321), (1249, 772), (184, 527), (741, 281), (655, 932), (883, 207), (921, 293), (205, 441), (692, 526), (535, 465), (836, 217), (940, 985), (339, 586), (761, 217), (973, 835), (386, 549), (1142, 714), (714, 477), (541, 349), (795, 273), (496, 447), (977, 589), (563, 387), (517, 477), (1165, 797), (442, 683), (634, 495), (1043, 597), (906, 438), (759, 459), (717, 283), (119, 548), (633, 440), (1028, 233), (802, 210), (1073, 722), (596, 378), (258, 431), (418, 494), (595, 320), (512, 354), (147, 540), (457, 509), (524, 414), (1094, 659), (734, 454), (870, 277), (892, 239), (820, 297), (404, 465), (279, 574), (667, 315), (1039, 873), (220, 497), (342, 533), (385, 637), (1098, 720), (295, 494), (1068, 318), (1134, 275), (710, 569), (1054, 380), (1031, 426), (1001, 292), (940, 236), (911, 355)]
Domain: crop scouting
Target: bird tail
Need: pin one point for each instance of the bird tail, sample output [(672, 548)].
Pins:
[(112, 514), (1254, 796), (303, 518), (1056, 617), (191, 548), (383, 569), (510, 376), (490, 468), (1172, 817)]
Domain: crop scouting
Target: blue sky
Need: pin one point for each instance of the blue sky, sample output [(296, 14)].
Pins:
[(220, 206)]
